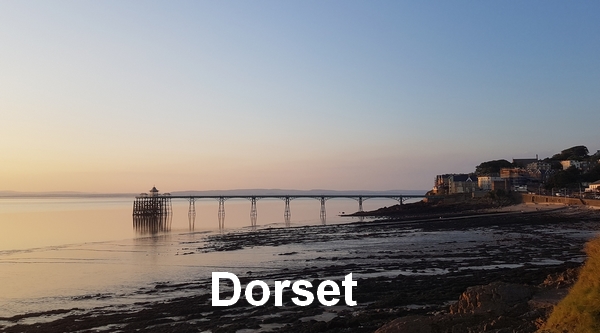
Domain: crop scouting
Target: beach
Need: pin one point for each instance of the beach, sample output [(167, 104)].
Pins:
[(402, 268)]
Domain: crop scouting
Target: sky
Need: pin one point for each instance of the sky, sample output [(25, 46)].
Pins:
[(119, 96)]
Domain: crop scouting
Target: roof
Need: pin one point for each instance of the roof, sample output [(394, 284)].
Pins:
[(596, 182), (153, 189), (524, 161), (463, 178)]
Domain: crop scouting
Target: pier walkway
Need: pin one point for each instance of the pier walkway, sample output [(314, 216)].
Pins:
[(156, 201)]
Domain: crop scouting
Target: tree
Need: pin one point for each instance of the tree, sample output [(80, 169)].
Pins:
[(492, 167), (577, 153), (592, 175), (564, 178)]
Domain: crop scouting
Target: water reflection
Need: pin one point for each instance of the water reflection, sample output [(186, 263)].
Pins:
[(152, 224)]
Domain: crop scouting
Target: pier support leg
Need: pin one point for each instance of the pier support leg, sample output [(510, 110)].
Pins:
[(192, 214), (170, 214), (323, 213), (221, 213), (360, 209), (287, 213), (400, 199), (253, 213)]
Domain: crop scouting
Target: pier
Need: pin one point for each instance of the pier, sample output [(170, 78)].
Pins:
[(155, 204), (152, 212)]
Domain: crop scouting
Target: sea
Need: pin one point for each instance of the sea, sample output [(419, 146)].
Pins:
[(65, 253)]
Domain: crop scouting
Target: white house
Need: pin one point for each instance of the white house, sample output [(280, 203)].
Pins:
[(594, 187)]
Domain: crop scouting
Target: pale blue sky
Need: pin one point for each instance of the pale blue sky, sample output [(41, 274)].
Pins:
[(120, 95)]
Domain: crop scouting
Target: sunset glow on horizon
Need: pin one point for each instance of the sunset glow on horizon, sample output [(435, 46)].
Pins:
[(117, 96)]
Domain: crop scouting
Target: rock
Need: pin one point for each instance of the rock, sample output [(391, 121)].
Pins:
[(495, 298), (496, 308), (412, 324), (561, 280), (458, 323)]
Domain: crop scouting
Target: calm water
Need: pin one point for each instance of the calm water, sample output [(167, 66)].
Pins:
[(65, 253)]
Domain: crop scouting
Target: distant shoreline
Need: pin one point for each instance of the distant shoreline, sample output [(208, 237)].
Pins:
[(65, 195), (244, 192)]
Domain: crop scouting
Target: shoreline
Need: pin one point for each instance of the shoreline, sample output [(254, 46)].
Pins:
[(393, 281)]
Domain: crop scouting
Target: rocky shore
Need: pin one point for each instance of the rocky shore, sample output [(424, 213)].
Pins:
[(498, 307), (497, 271)]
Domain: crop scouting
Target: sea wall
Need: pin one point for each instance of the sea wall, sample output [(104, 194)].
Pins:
[(546, 199)]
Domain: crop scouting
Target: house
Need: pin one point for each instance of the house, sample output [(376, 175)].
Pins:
[(540, 175), (580, 165), (462, 183), (515, 176), (441, 185), (486, 182), (500, 185), (539, 165), (523, 162), (539, 171), (594, 187)]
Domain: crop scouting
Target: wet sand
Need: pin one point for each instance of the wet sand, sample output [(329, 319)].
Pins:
[(412, 266)]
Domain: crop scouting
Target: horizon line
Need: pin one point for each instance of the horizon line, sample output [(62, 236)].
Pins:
[(13, 193)]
